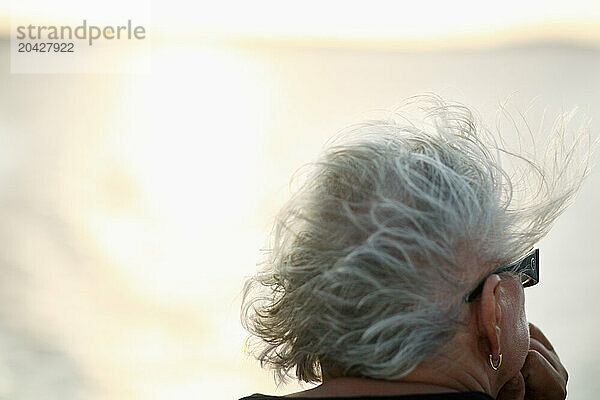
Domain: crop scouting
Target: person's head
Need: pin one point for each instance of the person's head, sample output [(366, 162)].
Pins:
[(372, 261)]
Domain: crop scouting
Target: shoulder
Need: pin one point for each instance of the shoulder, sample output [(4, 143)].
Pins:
[(436, 396)]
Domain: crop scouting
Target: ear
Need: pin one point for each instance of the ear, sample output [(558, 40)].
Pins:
[(490, 313)]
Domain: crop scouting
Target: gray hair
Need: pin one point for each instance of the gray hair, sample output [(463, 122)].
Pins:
[(368, 263)]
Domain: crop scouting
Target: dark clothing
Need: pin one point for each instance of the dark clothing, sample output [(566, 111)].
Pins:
[(435, 396)]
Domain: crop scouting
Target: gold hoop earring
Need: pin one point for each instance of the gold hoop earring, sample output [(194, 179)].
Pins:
[(495, 367)]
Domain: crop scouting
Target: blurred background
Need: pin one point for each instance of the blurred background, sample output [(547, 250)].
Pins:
[(132, 206)]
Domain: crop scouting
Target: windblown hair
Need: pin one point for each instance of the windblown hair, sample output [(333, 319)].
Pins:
[(369, 262)]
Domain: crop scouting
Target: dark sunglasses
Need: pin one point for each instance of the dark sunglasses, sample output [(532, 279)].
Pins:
[(527, 267)]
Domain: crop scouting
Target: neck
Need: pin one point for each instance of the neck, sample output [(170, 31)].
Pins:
[(457, 373), (361, 386)]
